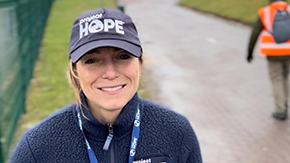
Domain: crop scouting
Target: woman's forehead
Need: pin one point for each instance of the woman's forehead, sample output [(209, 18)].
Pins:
[(103, 51)]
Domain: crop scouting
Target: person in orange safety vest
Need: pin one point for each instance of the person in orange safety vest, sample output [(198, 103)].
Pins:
[(277, 54)]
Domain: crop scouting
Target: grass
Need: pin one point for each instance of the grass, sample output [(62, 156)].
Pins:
[(244, 11)]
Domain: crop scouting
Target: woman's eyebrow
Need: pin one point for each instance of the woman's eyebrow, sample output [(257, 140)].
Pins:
[(88, 55), (95, 51)]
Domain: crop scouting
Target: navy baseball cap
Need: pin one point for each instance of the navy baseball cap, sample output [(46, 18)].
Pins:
[(103, 28)]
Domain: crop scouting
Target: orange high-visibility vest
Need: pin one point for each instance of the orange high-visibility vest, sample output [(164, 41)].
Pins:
[(268, 46)]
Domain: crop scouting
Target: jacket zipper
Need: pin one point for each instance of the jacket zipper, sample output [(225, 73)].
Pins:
[(109, 138), (109, 145)]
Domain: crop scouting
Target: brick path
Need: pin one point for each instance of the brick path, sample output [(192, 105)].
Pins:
[(198, 66)]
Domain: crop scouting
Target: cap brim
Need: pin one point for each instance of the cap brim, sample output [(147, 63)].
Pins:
[(81, 51)]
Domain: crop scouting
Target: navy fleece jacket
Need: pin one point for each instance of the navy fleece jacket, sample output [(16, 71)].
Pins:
[(164, 136)]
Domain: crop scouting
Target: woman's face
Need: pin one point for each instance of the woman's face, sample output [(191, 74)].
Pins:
[(109, 77)]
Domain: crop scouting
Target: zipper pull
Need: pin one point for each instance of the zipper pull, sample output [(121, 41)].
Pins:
[(109, 138)]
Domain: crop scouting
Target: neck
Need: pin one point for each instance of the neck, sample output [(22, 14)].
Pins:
[(105, 116)]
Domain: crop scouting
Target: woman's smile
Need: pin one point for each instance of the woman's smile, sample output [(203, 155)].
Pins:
[(109, 77), (112, 88)]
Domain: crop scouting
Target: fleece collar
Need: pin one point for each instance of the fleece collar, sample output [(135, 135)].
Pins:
[(98, 131)]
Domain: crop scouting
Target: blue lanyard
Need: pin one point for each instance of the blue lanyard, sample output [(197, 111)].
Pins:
[(134, 137)]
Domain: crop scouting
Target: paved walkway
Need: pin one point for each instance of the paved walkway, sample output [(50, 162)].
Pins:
[(198, 67)]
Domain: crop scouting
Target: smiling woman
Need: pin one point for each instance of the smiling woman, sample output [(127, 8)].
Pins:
[(109, 123), (112, 75)]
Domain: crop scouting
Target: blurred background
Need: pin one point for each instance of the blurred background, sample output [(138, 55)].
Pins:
[(34, 38)]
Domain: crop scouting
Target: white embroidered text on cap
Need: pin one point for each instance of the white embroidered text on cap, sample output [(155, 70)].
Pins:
[(97, 26)]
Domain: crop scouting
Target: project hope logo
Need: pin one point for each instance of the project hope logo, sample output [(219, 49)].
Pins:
[(133, 147), (92, 24)]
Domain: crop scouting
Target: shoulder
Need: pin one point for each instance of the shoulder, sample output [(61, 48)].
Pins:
[(261, 12), (165, 129), (156, 114), (154, 109), (50, 135), (58, 121)]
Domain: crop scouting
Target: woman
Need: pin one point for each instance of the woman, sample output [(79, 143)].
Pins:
[(109, 122)]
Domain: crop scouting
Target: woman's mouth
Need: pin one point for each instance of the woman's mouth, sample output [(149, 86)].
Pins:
[(111, 89)]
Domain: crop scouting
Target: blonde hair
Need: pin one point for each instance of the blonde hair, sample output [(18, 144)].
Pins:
[(74, 80)]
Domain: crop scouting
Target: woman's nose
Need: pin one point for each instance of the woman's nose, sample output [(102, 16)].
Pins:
[(110, 71)]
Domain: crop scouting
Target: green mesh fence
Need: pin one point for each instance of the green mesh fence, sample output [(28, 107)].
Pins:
[(22, 24)]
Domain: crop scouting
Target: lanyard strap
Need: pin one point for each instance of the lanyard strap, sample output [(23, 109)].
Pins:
[(134, 137), (92, 156)]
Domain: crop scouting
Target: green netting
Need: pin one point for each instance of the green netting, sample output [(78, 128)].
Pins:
[(22, 23)]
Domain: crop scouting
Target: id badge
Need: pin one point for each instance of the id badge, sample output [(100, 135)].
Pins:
[(159, 159)]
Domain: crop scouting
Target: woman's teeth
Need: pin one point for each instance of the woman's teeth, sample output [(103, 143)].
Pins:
[(111, 89)]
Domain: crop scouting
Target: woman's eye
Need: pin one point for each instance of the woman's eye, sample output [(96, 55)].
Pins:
[(89, 61), (124, 56)]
